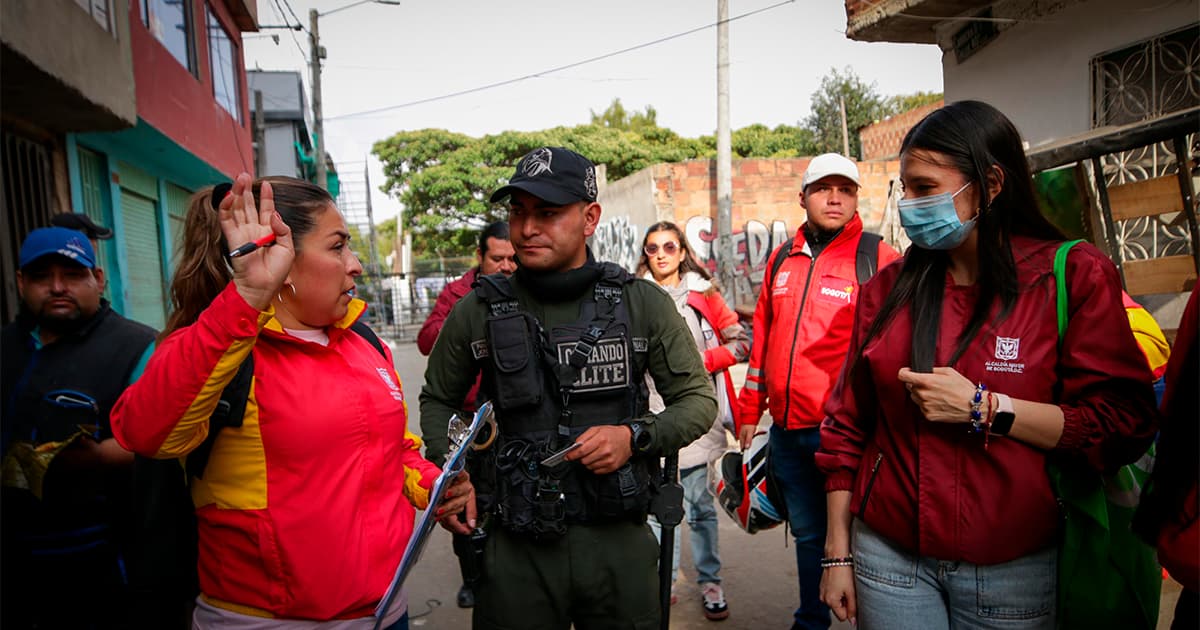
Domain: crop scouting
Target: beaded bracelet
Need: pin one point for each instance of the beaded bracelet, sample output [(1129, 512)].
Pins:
[(976, 404), (848, 561)]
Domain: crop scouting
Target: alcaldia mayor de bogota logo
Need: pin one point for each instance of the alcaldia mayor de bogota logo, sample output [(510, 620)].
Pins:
[(1008, 351)]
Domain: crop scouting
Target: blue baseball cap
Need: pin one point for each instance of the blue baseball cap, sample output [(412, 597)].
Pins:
[(60, 241)]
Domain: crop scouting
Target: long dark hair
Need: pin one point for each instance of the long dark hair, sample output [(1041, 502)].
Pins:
[(974, 137), (689, 262), (203, 269)]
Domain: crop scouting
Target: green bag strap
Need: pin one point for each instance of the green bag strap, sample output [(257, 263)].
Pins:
[(1060, 283)]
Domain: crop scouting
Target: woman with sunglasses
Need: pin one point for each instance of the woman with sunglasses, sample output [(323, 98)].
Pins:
[(722, 342), (304, 509)]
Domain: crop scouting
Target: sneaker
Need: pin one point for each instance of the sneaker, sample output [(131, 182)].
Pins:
[(466, 597), (715, 608)]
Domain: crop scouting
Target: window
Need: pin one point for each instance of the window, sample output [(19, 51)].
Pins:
[(170, 23), (99, 10), (1148, 79), (223, 59)]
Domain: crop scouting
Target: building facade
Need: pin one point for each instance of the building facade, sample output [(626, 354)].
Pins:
[(162, 91)]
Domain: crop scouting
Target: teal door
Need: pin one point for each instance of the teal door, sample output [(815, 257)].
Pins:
[(147, 297)]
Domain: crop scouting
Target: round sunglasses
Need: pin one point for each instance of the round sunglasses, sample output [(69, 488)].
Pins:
[(670, 248)]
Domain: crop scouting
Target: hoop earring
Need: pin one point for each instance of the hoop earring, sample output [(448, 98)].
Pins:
[(279, 297)]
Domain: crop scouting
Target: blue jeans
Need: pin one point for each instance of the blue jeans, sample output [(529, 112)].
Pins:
[(898, 590), (701, 513), (803, 487)]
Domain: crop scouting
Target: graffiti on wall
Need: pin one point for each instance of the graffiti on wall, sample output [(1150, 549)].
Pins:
[(752, 245), (618, 240)]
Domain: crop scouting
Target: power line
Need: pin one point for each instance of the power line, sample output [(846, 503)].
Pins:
[(557, 69), (283, 18), (294, 16)]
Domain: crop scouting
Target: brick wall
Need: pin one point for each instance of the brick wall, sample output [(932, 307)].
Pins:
[(881, 140), (766, 209)]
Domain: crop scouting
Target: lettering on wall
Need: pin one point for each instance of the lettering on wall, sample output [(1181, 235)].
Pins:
[(618, 240)]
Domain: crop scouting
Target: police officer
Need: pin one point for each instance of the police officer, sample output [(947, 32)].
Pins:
[(66, 360), (563, 347)]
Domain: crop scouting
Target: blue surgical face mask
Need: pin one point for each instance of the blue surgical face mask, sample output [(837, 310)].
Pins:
[(933, 223)]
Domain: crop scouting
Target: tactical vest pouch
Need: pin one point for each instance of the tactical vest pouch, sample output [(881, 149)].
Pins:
[(621, 495), (516, 357)]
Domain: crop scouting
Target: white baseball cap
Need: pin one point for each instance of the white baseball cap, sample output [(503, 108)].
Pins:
[(828, 164)]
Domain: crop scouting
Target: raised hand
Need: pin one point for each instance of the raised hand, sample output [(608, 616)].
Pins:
[(260, 274)]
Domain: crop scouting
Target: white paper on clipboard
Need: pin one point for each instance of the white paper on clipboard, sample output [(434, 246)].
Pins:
[(459, 445)]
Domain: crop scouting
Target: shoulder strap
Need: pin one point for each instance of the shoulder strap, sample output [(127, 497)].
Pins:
[(497, 291), (866, 259), (1060, 284), (363, 330), (777, 261), (229, 413)]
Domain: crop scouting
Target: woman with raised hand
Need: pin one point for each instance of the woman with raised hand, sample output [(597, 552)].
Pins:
[(958, 391), (722, 342), (307, 499)]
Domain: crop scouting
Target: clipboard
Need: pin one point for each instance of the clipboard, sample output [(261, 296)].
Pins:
[(461, 438)]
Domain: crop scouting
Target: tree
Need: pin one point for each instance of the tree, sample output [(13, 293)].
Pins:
[(444, 179), (905, 102), (863, 106), (616, 117)]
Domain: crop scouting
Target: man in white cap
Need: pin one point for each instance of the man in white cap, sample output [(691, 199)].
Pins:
[(802, 326)]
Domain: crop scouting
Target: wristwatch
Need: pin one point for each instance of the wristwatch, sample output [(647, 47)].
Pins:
[(639, 440), (1003, 421)]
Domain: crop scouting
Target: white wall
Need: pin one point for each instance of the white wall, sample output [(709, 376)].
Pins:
[(1038, 73)]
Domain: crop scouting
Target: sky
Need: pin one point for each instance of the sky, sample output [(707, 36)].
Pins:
[(380, 56)]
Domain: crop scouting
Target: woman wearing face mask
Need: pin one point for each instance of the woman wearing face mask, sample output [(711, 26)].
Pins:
[(722, 342), (957, 391), (304, 509)]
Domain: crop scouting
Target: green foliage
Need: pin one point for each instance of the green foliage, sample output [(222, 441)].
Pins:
[(863, 106), (616, 117), (903, 102), (444, 179)]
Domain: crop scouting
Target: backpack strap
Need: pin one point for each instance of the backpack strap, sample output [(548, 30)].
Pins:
[(231, 408), (777, 261), (1060, 285), (866, 258), (363, 330)]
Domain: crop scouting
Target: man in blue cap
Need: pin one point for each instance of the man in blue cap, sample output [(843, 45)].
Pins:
[(65, 362)]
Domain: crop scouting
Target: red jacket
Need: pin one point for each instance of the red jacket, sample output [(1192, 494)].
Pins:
[(932, 488), (802, 330), (1179, 540), (732, 349), (305, 510), (449, 296)]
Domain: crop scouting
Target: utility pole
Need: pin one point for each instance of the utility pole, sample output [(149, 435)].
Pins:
[(316, 54), (260, 133), (725, 266), (845, 133)]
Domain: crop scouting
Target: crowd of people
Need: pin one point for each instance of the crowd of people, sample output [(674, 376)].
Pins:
[(932, 417)]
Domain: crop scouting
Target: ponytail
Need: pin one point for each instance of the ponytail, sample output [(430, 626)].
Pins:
[(202, 271)]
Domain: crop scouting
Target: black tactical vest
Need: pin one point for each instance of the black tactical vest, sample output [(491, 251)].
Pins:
[(548, 387)]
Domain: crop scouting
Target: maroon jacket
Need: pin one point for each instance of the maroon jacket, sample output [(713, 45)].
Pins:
[(450, 295), (933, 488)]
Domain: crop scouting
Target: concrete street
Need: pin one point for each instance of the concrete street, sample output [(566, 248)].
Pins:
[(758, 572)]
